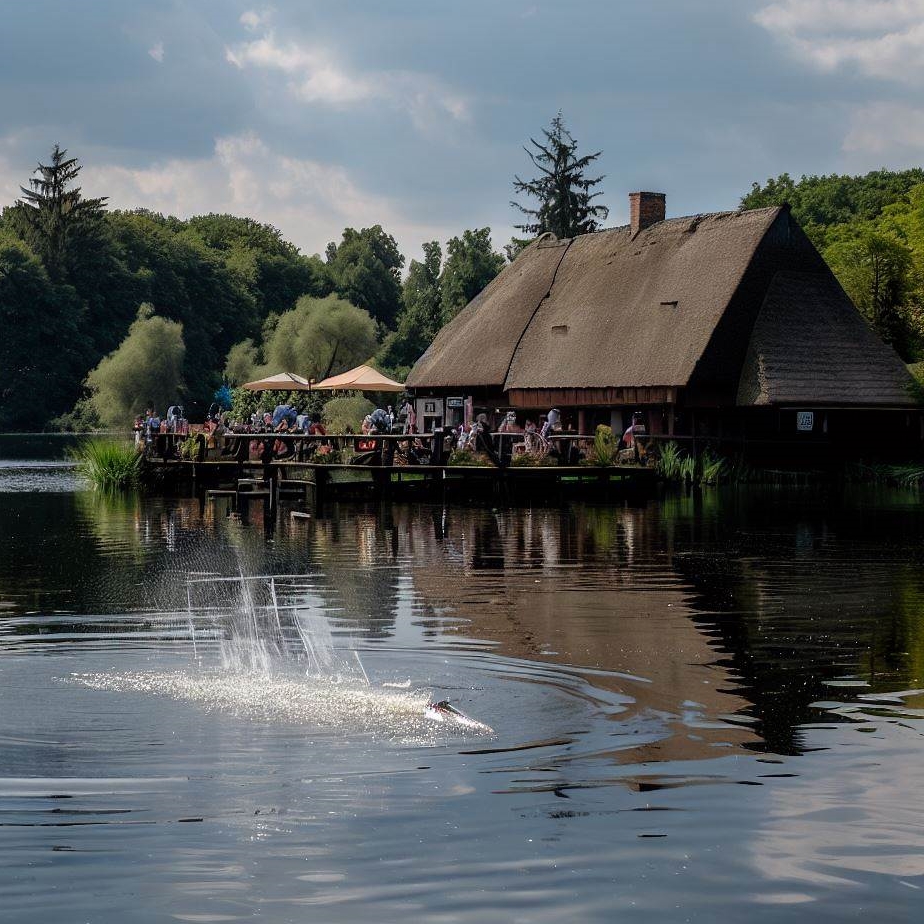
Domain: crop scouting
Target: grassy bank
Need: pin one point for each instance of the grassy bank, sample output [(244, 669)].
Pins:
[(676, 466), (108, 464)]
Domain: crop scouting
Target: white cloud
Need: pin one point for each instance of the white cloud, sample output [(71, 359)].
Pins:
[(157, 52), (309, 201), (880, 38), (885, 133), (316, 76), (253, 19)]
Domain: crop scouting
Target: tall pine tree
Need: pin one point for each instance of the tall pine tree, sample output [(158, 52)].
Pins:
[(52, 211), (565, 201)]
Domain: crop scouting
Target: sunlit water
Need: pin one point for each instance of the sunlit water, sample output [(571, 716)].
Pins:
[(702, 708)]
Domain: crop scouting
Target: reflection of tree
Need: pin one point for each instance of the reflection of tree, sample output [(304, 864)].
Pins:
[(799, 593)]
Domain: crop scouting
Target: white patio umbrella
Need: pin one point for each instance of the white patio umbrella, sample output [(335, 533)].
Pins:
[(282, 381)]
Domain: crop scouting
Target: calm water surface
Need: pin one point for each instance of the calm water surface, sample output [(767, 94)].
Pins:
[(703, 708)]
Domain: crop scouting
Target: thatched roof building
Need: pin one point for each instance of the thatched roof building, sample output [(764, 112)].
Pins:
[(728, 310)]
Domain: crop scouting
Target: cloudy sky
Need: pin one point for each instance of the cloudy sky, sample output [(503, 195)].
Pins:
[(412, 113)]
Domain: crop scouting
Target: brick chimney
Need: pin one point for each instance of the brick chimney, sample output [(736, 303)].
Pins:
[(645, 209)]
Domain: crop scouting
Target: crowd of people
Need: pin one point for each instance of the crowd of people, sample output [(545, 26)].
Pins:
[(532, 436)]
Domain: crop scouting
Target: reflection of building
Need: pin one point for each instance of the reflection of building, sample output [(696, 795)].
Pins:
[(727, 325), (577, 600)]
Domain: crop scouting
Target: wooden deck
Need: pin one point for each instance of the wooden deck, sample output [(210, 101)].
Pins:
[(306, 477)]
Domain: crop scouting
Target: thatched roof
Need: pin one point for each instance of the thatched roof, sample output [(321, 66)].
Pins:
[(673, 303), (827, 355)]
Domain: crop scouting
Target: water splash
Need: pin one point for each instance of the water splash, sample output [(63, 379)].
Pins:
[(264, 650)]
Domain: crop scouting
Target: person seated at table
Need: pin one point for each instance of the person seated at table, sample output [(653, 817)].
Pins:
[(509, 423), (636, 428), (379, 421), (282, 448), (552, 422), (316, 428), (284, 412)]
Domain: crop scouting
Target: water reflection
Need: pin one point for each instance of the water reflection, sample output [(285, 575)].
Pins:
[(704, 708), (734, 611)]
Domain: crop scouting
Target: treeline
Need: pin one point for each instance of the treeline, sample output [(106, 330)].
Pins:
[(104, 311), (870, 229)]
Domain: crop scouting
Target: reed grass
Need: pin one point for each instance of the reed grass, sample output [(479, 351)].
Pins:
[(108, 464)]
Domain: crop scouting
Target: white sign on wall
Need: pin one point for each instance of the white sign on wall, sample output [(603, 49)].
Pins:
[(805, 420)]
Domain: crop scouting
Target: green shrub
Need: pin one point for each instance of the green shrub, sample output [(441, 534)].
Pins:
[(109, 464), (192, 446), (712, 468), (465, 457), (669, 462), (340, 413), (531, 460), (605, 450)]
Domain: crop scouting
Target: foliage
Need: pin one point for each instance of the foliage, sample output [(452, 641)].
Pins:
[(875, 270), (42, 346), (669, 462), (532, 460), (467, 458), (108, 464), (906, 475), (606, 445), (675, 465), (52, 213), (516, 246), (564, 194), (144, 371), (471, 264), (244, 402), (365, 269), (870, 230), (422, 315), (819, 202), (340, 413), (319, 338), (242, 363), (712, 468), (192, 447)]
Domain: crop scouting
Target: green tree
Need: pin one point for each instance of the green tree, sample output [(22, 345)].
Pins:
[(875, 271), (146, 370), (275, 273), (422, 315), (566, 206), (471, 264), (820, 202), (242, 363), (365, 269), (52, 213), (190, 283), (319, 337), (42, 347)]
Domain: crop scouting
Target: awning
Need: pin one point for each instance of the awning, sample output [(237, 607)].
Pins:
[(282, 381), (362, 378)]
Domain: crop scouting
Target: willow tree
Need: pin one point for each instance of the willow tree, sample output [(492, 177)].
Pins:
[(565, 198), (145, 370)]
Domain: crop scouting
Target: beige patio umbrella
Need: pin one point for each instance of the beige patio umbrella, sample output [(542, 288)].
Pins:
[(362, 378), (282, 381)]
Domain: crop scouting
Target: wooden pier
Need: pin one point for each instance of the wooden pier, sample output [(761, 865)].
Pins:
[(382, 467)]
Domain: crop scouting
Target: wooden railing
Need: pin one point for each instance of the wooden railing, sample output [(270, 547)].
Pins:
[(380, 449)]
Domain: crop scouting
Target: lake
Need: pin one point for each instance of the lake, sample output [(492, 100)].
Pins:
[(702, 707)]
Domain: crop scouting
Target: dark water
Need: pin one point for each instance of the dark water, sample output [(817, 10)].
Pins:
[(705, 708)]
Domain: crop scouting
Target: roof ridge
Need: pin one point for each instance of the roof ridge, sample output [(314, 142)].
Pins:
[(678, 218)]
